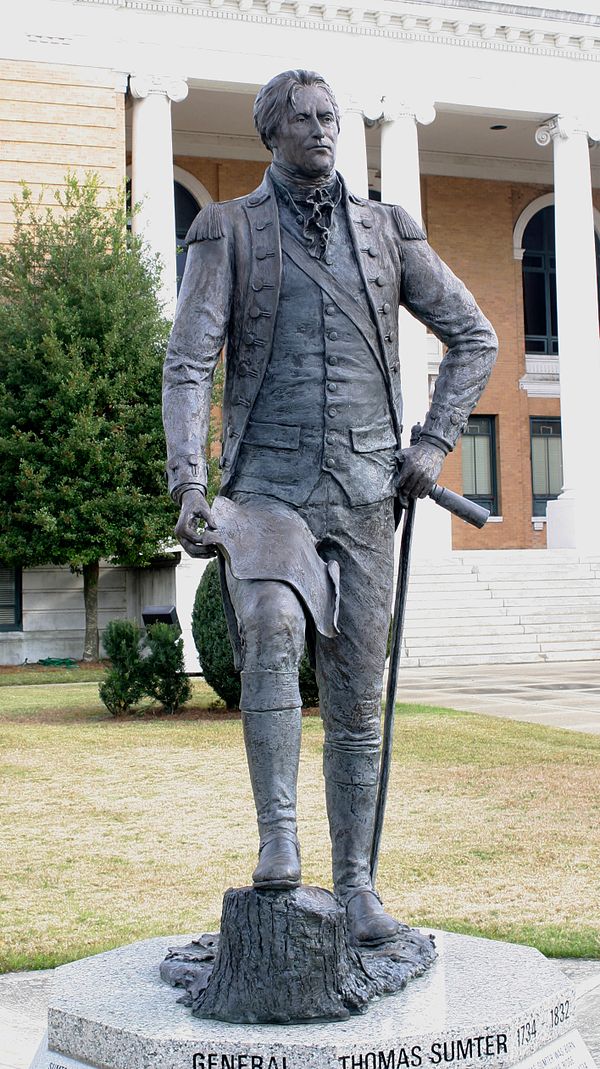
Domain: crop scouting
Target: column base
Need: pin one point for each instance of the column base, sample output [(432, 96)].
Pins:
[(572, 522)]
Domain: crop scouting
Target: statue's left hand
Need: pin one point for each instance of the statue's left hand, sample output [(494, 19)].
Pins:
[(419, 469)]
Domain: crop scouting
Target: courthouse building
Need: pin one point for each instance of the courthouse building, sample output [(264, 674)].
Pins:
[(480, 117)]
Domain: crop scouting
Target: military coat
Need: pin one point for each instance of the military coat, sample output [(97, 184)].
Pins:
[(229, 299)]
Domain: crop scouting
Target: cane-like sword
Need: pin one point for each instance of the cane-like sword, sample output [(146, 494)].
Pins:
[(473, 514)]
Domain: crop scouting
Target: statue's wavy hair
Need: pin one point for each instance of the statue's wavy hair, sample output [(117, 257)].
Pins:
[(275, 97)]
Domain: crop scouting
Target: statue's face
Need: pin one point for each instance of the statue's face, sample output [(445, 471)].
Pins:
[(307, 136)]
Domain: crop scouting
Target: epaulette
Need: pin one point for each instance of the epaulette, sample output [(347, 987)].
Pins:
[(409, 229), (207, 226)]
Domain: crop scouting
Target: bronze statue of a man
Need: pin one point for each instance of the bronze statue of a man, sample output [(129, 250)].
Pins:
[(301, 283)]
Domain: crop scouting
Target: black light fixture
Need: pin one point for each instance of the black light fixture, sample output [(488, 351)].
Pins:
[(161, 614)]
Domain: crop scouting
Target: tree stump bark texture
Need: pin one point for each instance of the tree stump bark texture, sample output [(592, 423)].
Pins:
[(284, 956)]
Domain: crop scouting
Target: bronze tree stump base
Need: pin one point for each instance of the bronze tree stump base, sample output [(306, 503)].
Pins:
[(284, 956)]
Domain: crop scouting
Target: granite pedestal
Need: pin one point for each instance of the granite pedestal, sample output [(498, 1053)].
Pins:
[(482, 1003)]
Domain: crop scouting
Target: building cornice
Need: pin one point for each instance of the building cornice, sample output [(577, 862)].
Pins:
[(478, 23)]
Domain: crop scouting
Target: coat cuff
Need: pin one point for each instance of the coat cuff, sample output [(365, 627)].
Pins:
[(444, 424), (185, 471)]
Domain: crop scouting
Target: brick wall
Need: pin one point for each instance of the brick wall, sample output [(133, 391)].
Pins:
[(470, 223), (54, 119), (224, 179)]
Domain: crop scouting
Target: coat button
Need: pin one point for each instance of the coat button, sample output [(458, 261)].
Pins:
[(261, 254), (331, 387), (385, 308), (389, 337), (332, 412), (257, 286), (372, 251), (249, 338), (333, 335), (255, 312), (332, 360), (330, 462), (329, 438), (329, 309), (380, 280), (368, 223)]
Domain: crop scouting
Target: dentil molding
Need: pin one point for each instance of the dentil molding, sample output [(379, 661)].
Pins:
[(485, 27)]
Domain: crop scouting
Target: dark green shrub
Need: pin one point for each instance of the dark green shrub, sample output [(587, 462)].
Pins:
[(211, 636), (125, 680), (165, 677)]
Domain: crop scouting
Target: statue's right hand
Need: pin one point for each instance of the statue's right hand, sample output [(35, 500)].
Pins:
[(194, 510)]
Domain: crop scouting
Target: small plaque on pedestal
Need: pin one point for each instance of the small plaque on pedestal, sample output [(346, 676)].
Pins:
[(567, 1052)]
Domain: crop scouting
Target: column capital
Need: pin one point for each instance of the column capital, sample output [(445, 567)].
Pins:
[(563, 127), (366, 105), (395, 110), (171, 86)]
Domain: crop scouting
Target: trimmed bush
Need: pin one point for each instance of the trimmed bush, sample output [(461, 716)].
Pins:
[(125, 682), (209, 628), (164, 668)]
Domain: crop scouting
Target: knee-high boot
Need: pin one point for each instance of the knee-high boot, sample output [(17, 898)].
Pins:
[(351, 793), (272, 738)]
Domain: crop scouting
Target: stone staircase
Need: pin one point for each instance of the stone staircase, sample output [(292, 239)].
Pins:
[(503, 607)]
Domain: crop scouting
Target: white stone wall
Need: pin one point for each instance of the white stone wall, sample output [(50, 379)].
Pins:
[(53, 612)]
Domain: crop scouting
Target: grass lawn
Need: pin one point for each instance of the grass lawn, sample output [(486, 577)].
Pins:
[(116, 830)]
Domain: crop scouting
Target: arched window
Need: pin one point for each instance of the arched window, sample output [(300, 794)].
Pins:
[(186, 210), (539, 282)]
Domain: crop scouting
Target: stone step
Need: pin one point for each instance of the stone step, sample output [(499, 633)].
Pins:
[(566, 624), (563, 617), (516, 639), (549, 600), (528, 645), (443, 597), (463, 610), (467, 658), (561, 587), (468, 579), (503, 625), (585, 640), (508, 574)]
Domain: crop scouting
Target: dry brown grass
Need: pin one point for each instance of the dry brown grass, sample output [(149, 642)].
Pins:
[(117, 830)]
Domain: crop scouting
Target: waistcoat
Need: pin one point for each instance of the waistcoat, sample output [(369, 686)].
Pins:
[(323, 404)]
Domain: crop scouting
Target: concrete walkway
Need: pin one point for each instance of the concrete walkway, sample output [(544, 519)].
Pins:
[(560, 695), (565, 695)]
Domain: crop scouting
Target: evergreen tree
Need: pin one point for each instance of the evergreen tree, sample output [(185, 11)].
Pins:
[(82, 341)]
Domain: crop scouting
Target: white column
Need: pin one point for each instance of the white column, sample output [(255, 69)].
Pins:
[(401, 184), (573, 518), (351, 160), (152, 172)]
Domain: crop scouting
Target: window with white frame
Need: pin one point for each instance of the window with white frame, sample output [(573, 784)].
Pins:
[(479, 466), (546, 462)]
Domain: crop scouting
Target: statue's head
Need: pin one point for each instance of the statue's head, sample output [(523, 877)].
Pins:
[(298, 120)]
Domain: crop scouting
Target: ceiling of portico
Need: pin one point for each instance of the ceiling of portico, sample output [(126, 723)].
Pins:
[(460, 142)]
